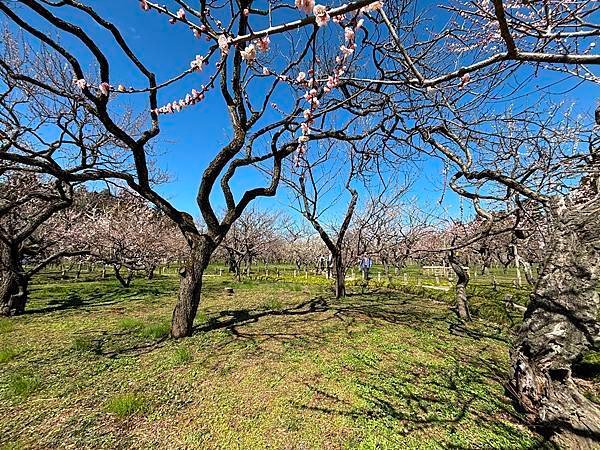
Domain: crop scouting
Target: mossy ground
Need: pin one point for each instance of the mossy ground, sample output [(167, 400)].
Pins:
[(279, 364)]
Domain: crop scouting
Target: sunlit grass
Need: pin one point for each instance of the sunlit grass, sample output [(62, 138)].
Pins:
[(278, 364)]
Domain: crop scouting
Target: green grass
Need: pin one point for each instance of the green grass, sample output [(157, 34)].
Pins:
[(273, 303), (279, 364), (158, 330), (182, 356), (130, 324), (6, 325), (85, 344), (126, 405), (7, 353), (21, 385)]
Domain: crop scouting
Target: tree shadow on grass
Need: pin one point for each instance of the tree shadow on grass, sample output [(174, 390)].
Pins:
[(241, 324), (116, 344), (97, 298), (467, 390), (446, 404)]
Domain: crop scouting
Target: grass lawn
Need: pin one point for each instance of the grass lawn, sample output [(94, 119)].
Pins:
[(279, 365)]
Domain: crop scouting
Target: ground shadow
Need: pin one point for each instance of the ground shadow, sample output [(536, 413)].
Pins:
[(74, 299)]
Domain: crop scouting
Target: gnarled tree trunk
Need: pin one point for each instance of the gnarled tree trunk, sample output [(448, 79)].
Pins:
[(462, 279), (190, 286), (13, 282), (561, 322), (124, 282)]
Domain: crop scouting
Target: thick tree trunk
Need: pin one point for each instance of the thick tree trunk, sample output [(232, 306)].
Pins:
[(233, 266), (340, 276), (125, 282), (190, 287), (561, 322), (13, 282), (462, 279), (150, 272)]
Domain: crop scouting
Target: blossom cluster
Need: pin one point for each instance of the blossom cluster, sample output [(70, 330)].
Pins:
[(104, 88), (191, 98), (262, 44), (312, 94)]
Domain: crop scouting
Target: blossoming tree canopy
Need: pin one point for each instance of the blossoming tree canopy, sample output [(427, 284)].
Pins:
[(216, 39)]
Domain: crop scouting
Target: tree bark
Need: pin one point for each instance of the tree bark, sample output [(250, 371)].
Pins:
[(518, 266), (13, 282), (190, 287), (340, 276), (528, 272), (561, 322), (462, 279), (150, 272), (124, 282)]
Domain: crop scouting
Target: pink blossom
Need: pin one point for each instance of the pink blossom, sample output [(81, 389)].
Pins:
[(181, 14), (307, 114), (223, 44), (321, 15), (464, 80), (301, 77), (373, 6), (196, 63), (302, 139), (121, 88), (246, 12), (305, 128), (81, 83), (249, 53), (263, 43), (339, 18), (144, 5), (346, 51), (266, 71), (305, 5), (197, 33), (349, 34), (104, 88), (176, 106)]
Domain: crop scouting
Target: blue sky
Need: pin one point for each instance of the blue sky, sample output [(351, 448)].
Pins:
[(189, 140)]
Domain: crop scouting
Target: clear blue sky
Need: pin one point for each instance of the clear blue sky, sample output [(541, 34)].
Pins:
[(190, 139)]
